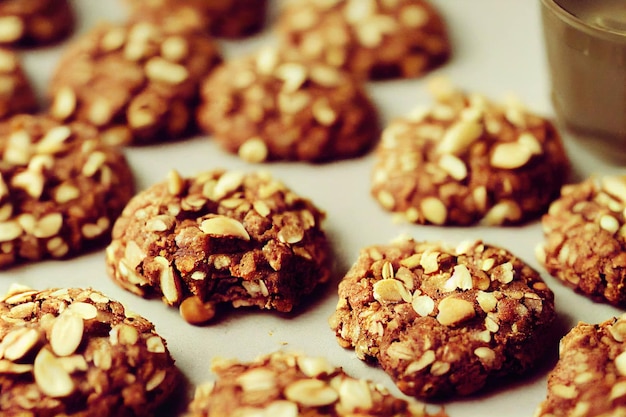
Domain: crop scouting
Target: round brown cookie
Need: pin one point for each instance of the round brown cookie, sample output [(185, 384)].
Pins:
[(585, 238), (373, 39), (60, 189), (35, 22), (180, 16), (16, 93), (272, 106), (589, 380), (221, 237), (222, 18), (137, 83), (290, 385), (466, 160), (76, 352), (443, 321)]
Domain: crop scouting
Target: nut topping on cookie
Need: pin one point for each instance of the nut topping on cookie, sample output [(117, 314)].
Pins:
[(466, 161), (449, 319), (284, 384), (220, 237), (585, 238), (371, 39), (273, 105), (589, 378), (60, 188), (135, 82), (72, 350)]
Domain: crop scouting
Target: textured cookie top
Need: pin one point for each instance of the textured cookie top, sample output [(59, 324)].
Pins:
[(60, 188), (222, 18), (75, 351), (273, 105), (465, 160), (16, 93), (289, 385), (34, 22), (442, 321), (135, 82), (590, 377), (371, 38), (220, 237), (585, 238)]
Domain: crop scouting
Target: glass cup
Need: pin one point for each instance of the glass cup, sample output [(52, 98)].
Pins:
[(585, 43)]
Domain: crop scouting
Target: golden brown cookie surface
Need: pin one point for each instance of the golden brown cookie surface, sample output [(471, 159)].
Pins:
[(589, 380), (136, 82), (34, 22), (373, 39), (16, 94), (60, 189), (73, 351), (443, 321), (221, 237), (221, 18), (465, 160), (585, 238), (284, 384), (274, 106)]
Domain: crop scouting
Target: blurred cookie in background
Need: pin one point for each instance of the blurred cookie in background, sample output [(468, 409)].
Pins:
[(272, 105), (221, 18), (16, 92), (373, 39), (137, 82), (35, 22)]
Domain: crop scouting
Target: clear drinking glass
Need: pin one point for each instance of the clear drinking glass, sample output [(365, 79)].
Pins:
[(586, 51)]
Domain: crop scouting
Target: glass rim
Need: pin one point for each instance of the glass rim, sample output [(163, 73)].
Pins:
[(570, 19)]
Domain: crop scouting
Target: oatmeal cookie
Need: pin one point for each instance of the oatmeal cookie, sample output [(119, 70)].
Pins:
[(273, 106), (291, 384), (221, 18), (35, 22), (443, 321), (465, 160), (16, 93), (76, 352), (589, 379), (60, 189), (585, 238), (136, 82), (221, 237), (374, 39)]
